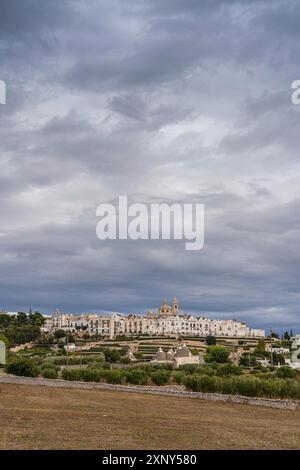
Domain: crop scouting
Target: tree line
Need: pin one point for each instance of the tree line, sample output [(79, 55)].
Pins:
[(20, 328)]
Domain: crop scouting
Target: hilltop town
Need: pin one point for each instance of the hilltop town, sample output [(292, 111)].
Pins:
[(167, 321)]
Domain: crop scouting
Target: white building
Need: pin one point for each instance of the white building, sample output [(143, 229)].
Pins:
[(296, 342), (166, 322), (88, 323), (277, 350), (181, 356)]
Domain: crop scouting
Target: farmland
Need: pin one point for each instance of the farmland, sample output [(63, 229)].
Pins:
[(35, 417)]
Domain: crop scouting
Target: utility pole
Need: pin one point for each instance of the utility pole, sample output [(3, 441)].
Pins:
[(67, 345), (233, 355), (271, 347)]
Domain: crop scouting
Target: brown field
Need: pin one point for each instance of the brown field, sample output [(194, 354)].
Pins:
[(35, 417)]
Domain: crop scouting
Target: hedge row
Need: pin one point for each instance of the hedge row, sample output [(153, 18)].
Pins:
[(211, 369), (117, 376), (62, 360), (77, 360), (247, 386), (204, 379)]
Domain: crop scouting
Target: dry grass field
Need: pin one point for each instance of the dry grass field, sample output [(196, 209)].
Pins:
[(35, 417)]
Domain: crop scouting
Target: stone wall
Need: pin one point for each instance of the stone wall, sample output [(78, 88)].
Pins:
[(166, 390)]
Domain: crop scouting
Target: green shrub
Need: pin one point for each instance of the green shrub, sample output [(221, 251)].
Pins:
[(189, 368), (289, 388), (269, 375), (270, 388), (72, 374), (264, 370), (194, 351), (261, 346), (139, 355), (148, 368), (211, 340), (49, 373), (278, 358), (106, 365), (248, 386), (95, 365), (38, 360), (84, 375), (201, 383), (160, 377), (244, 385), (248, 360), (77, 360), (90, 375), (179, 377), (49, 365), (111, 355), (229, 369), (217, 354), (137, 377), (157, 367), (228, 386), (22, 366), (125, 360), (115, 376), (286, 372), (209, 369)]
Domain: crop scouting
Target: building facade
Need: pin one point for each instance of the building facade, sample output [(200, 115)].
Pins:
[(181, 356), (168, 321)]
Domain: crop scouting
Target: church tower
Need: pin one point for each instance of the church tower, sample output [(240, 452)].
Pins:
[(57, 319), (175, 308)]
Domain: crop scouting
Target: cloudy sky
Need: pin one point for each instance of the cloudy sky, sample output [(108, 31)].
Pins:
[(160, 100)]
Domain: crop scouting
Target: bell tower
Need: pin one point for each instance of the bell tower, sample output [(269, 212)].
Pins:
[(175, 308)]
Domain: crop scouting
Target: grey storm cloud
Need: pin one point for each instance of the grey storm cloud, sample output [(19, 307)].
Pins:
[(31, 16), (160, 100)]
